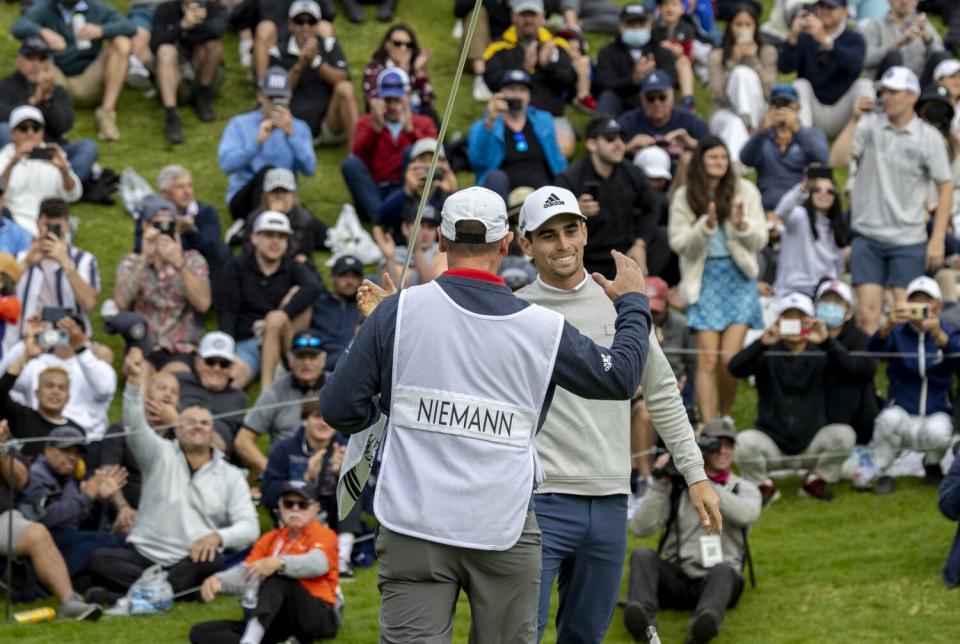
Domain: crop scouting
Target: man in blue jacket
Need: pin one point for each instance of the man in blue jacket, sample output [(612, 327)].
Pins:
[(514, 144), (950, 506), (918, 415)]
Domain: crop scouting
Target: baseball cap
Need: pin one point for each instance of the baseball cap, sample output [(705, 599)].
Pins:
[(347, 264), (519, 6), (515, 77), (392, 82), (275, 83), (633, 12), (721, 427), (656, 81), (25, 113), (422, 146), (838, 287), (945, 68), (306, 341), (796, 302), (272, 221), (304, 6), (900, 79), (279, 179), (154, 205), (34, 46), (832, 3), (924, 284), (784, 92), (515, 200), (10, 266), (300, 488), (217, 344), (654, 161), (544, 203), (935, 94), (600, 126), (409, 213), (474, 204), (131, 326), (67, 436), (657, 293)]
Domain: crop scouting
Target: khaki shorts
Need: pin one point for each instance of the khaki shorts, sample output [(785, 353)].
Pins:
[(86, 88), (19, 525)]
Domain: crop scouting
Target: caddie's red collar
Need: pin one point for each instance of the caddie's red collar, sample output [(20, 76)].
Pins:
[(474, 274)]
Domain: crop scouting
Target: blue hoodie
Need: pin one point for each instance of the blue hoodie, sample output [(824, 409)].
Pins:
[(486, 149)]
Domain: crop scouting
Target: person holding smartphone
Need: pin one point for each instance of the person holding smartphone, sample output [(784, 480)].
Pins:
[(32, 170)]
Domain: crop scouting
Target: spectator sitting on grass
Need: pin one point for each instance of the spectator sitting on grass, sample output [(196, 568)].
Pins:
[(31, 540), (901, 37), (698, 571), (335, 313), (55, 497), (918, 415), (294, 568), (193, 504), (428, 262), (675, 31), (414, 179), (792, 429), (399, 49), (269, 415)]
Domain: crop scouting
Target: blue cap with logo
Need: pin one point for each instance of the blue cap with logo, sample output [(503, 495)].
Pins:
[(656, 81), (306, 341), (784, 92), (392, 83), (515, 77)]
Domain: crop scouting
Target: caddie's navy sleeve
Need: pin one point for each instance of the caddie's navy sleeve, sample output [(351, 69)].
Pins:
[(589, 370)]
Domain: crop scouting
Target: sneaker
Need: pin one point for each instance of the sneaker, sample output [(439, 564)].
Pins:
[(234, 235), (346, 571), (638, 621), (386, 11), (587, 103), (884, 485), (768, 492), (703, 627), (354, 11), (481, 92), (101, 595), (107, 124), (203, 105), (138, 76), (932, 474), (73, 607), (245, 51), (172, 129), (816, 488)]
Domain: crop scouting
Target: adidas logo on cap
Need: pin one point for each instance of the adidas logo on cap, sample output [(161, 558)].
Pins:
[(553, 201)]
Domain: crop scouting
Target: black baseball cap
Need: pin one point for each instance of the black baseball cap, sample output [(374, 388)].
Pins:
[(306, 341), (133, 328), (347, 264), (602, 124), (515, 77), (722, 427), (633, 12), (300, 488), (430, 213), (35, 46)]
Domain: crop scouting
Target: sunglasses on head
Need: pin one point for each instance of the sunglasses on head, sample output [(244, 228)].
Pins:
[(295, 504), (654, 98), (223, 363), (29, 126), (307, 342), (403, 44), (305, 21)]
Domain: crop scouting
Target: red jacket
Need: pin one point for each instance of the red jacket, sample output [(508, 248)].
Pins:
[(383, 155)]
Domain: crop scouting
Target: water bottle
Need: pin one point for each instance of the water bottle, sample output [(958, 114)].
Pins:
[(35, 616), (250, 592), (79, 21)]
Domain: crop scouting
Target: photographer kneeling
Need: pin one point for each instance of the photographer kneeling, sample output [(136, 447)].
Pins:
[(698, 571)]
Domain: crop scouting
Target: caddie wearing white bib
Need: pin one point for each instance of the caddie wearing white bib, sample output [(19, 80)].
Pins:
[(466, 371)]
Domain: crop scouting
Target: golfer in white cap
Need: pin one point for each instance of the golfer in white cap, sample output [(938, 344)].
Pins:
[(465, 371), (582, 505)]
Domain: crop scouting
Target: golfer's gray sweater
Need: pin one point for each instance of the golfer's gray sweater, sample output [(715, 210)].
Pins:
[(584, 445)]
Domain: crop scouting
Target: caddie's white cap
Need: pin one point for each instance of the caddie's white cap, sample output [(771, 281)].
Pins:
[(474, 204), (945, 68), (217, 344), (924, 284), (796, 301), (838, 287), (544, 203), (900, 79), (272, 221), (654, 161), (25, 113)]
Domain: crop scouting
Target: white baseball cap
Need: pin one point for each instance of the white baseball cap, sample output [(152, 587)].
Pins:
[(422, 146), (838, 287), (654, 161), (25, 113), (544, 203), (924, 284), (304, 6), (519, 6), (279, 179), (217, 344), (272, 221), (945, 68), (900, 79), (474, 204), (796, 301)]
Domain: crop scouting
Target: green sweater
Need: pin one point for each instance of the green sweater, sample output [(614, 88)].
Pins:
[(584, 445), (45, 14)]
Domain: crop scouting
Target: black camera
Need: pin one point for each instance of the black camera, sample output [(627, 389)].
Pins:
[(165, 227), (42, 152), (514, 104), (668, 471), (55, 230), (54, 314)]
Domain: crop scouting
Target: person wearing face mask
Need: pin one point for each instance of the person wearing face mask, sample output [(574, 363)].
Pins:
[(623, 64), (851, 397)]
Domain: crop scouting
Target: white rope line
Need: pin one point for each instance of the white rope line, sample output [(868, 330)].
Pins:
[(808, 354), (657, 451)]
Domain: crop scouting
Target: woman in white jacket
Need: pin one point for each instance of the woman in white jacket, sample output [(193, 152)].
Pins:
[(717, 226)]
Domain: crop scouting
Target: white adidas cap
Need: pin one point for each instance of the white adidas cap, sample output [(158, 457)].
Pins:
[(474, 204), (796, 301), (838, 287), (217, 344), (654, 161), (924, 284), (543, 204), (900, 79)]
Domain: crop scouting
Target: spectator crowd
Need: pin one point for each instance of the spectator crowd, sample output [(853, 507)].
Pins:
[(790, 187)]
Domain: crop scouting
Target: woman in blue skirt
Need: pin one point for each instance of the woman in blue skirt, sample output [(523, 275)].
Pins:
[(717, 226)]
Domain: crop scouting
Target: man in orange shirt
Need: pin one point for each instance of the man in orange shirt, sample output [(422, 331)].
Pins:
[(294, 570)]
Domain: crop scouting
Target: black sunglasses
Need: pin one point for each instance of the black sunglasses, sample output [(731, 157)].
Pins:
[(654, 98), (303, 22), (823, 189), (29, 126), (295, 504), (403, 44), (610, 137), (223, 363)]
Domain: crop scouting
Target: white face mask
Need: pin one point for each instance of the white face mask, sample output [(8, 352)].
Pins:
[(635, 37)]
